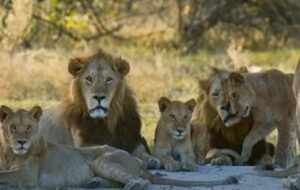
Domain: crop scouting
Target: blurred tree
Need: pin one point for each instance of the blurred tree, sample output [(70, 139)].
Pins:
[(15, 23), (196, 23), (247, 18)]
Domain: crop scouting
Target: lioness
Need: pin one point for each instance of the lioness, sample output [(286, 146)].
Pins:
[(26, 159), (268, 96), (223, 129), (295, 168), (99, 109), (172, 143)]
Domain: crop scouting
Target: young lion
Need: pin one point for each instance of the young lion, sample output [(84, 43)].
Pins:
[(295, 168), (269, 97), (26, 159), (173, 135)]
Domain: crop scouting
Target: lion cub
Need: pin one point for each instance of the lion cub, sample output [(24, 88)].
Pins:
[(172, 143)]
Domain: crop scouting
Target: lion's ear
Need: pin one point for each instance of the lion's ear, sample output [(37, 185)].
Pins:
[(76, 66), (217, 71), (204, 85), (163, 103), (5, 112), (243, 69), (36, 112), (122, 67), (191, 104), (236, 79)]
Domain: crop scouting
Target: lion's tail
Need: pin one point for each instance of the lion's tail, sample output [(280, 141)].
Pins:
[(215, 152), (183, 183), (279, 174)]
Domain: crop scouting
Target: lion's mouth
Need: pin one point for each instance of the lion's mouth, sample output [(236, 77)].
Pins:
[(105, 110), (229, 117), (20, 151)]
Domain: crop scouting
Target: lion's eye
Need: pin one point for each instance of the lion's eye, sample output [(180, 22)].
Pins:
[(13, 128), (28, 127), (234, 95), (89, 79), (108, 81), (172, 116), (215, 94), (185, 117)]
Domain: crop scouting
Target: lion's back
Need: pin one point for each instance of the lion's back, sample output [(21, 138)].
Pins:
[(51, 126)]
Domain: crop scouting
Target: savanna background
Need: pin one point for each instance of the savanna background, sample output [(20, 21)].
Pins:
[(170, 44)]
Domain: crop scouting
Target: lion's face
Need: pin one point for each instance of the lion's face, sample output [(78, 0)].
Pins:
[(241, 94), (176, 116), (99, 80), (218, 96), (19, 130)]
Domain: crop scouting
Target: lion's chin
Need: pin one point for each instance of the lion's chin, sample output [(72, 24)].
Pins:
[(232, 122)]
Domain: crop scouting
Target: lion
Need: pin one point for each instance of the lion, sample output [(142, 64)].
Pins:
[(99, 108), (172, 142), (295, 168), (268, 97), (27, 159), (212, 118)]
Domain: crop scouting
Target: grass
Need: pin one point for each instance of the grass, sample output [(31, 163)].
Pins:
[(40, 76)]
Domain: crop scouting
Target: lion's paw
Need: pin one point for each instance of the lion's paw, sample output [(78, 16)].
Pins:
[(153, 163), (222, 160), (96, 182), (189, 166), (136, 184), (292, 182), (172, 166)]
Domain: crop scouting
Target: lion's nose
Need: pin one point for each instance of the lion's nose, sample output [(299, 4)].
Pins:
[(22, 142), (225, 107), (99, 98), (179, 130)]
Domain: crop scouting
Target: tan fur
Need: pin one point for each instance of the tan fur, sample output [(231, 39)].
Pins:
[(215, 127), (200, 141), (48, 165), (295, 168), (268, 96), (172, 143), (99, 109)]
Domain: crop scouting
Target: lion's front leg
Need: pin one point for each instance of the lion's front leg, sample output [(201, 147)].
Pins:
[(286, 145), (187, 158), (150, 161), (257, 133)]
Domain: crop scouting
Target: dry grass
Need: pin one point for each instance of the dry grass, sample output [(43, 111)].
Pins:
[(39, 76)]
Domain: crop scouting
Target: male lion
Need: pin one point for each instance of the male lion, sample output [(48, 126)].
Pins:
[(26, 159), (172, 143), (100, 108), (213, 113), (268, 96)]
